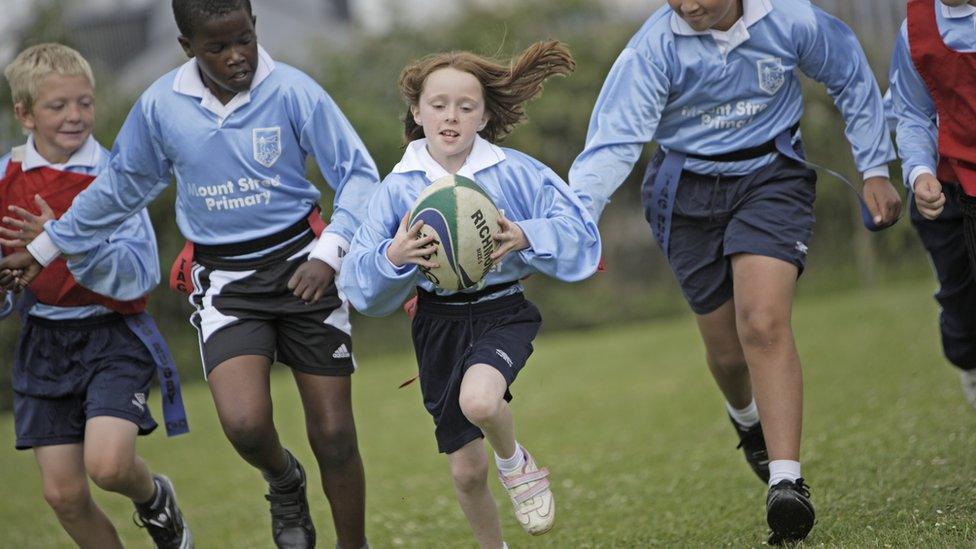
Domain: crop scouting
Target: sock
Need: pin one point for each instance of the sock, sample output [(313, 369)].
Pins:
[(746, 417), (513, 463), (154, 501), (289, 480), (783, 469)]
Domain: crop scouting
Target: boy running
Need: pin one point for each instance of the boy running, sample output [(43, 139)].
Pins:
[(81, 372), (235, 127), (728, 199), (933, 86)]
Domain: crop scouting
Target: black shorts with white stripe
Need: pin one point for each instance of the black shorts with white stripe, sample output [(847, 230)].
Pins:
[(244, 307)]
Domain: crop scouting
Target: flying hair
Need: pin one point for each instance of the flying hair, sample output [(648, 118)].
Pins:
[(506, 88)]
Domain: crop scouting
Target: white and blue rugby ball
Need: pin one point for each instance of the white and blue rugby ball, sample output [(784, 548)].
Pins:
[(463, 220)]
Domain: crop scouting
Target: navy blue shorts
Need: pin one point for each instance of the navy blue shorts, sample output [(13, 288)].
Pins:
[(943, 240), (768, 212), (450, 338), (68, 371)]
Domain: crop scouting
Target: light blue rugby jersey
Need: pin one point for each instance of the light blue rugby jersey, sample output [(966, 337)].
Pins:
[(564, 242), (123, 266), (912, 106), (239, 167), (716, 92)]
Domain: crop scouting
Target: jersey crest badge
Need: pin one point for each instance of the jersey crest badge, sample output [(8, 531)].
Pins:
[(267, 145), (772, 74)]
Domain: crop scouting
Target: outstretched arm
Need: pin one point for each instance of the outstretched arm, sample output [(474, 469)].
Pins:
[(829, 53), (125, 266), (624, 118), (348, 169), (137, 172)]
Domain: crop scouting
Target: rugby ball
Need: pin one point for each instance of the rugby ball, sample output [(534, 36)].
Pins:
[(462, 219)]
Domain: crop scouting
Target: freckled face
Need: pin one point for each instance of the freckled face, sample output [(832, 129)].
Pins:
[(451, 111), (61, 117)]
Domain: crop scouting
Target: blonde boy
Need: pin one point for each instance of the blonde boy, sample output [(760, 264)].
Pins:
[(81, 376)]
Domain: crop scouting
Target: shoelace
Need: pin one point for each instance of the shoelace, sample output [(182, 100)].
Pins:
[(802, 488), (161, 528)]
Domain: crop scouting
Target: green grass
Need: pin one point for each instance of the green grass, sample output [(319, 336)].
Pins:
[(634, 431)]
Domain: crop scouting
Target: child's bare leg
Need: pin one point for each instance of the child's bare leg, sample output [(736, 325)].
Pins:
[(724, 354), (241, 389), (469, 469), (111, 460), (764, 289), (332, 433), (482, 401), (66, 491)]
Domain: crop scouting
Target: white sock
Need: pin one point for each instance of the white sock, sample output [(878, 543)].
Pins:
[(746, 417), (783, 469), (514, 463)]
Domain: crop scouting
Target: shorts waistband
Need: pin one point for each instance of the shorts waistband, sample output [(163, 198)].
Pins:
[(77, 323), (208, 259), (740, 155), (466, 309), (256, 245), (463, 297)]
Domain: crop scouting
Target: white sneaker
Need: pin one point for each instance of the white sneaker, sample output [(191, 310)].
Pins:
[(535, 508), (968, 379)]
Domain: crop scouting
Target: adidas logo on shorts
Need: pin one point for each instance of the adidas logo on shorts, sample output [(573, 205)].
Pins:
[(341, 352)]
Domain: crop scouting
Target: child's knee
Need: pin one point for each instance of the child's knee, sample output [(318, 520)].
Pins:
[(248, 435), (479, 406), (334, 446), (470, 477), (762, 327), (110, 473), (67, 499)]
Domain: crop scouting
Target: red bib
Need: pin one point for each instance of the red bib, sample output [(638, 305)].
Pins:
[(950, 77), (55, 285)]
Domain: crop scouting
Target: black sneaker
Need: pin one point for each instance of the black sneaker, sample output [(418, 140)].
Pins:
[(291, 522), (164, 521), (789, 512), (753, 445)]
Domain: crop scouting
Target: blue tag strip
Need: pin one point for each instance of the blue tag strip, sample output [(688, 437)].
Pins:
[(663, 191), (784, 145), (174, 414), (665, 186), (24, 303)]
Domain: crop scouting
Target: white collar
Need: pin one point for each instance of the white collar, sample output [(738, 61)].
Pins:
[(86, 157), (189, 82), (957, 12), (418, 159), (752, 12)]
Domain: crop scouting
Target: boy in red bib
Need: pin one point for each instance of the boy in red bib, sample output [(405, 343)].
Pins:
[(933, 92), (87, 351)]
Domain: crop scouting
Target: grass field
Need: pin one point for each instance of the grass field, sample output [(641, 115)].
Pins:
[(634, 431)]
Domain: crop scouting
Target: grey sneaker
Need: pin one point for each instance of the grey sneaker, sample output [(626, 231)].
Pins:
[(291, 521)]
